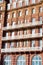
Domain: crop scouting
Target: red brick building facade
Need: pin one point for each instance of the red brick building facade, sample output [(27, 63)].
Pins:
[(21, 32)]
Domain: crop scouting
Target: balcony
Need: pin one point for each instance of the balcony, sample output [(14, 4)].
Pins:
[(24, 25), (22, 2), (19, 37), (26, 49)]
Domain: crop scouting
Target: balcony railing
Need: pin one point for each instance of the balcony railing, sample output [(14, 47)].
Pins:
[(24, 25), (26, 49), (18, 37)]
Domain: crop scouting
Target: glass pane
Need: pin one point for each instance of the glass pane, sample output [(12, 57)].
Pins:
[(40, 63), (37, 63)]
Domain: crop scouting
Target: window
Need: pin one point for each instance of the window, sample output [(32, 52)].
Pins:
[(0, 25), (10, 1), (21, 60), (40, 9), (7, 60), (33, 11), (8, 7), (33, 31), (26, 2), (21, 32), (20, 13), (25, 21), (12, 34), (14, 4), (0, 16), (33, 20), (26, 12), (40, 43), (1, 1), (13, 14), (7, 24), (21, 44), (20, 3), (6, 45), (17, 44), (33, 43), (7, 34), (13, 24), (25, 32), (19, 22), (36, 60), (0, 8), (33, 1), (40, 18), (12, 45), (8, 16), (41, 31), (26, 43)]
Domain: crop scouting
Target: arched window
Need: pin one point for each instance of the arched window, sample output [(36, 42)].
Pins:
[(36, 60), (40, 9), (7, 60), (33, 11), (20, 13), (26, 12), (21, 60)]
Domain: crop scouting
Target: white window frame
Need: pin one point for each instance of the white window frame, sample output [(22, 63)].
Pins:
[(40, 9), (21, 59), (14, 14), (14, 23), (12, 45), (7, 60), (41, 31), (33, 20), (26, 2), (7, 35), (34, 60), (25, 32), (7, 24), (6, 44), (33, 2), (26, 12), (8, 6), (12, 34), (33, 43), (40, 42), (33, 11), (8, 16), (0, 25), (33, 31), (14, 4), (20, 13), (0, 8), (20, 3)]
